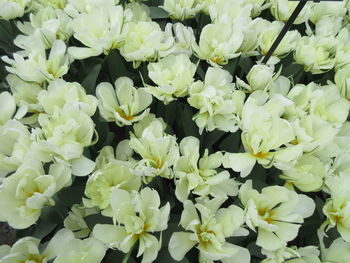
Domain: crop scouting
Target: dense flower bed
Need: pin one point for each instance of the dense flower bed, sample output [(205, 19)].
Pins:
[(151, 131)]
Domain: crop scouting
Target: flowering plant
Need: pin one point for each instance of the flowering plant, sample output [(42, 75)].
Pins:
[(154, 131)]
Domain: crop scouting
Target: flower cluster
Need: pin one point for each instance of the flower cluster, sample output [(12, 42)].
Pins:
[(152, 131)]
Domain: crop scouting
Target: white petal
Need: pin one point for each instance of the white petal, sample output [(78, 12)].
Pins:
[(7, 107), (82, 166), (179, 244), (239, 162)]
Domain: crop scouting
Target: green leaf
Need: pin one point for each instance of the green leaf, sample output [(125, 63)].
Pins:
[(92, 220), (231, 143), (158, 13), (89, 83), (43, 229), (115, 256), (190, 128), (53, 214), (212, 137), (116, 66), (164, 256), (246, 63), (71, 195)]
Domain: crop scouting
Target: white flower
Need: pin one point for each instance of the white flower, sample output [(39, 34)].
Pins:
[(10, 9), (342, 81), (7, 107), (269, 32), (28, 190), (125, 104), (159, 151), (231, 10), (138, 215), (336, 207), (60, 93), (276, 212), (337, 252), (182, 9), (264, 133), (63, 136), (209, 232), (47, 26), (320, 10), (184, 39), (65, 248), (37, 67), (282, 10), (145, 41), (15, 143), (292, 254), (316, 53), (199, 175), (108, 176), (219, 42), (218, 102), (307, 175), (173, 74), (259, 77), (25, 93), (101, 30), (75, 220)]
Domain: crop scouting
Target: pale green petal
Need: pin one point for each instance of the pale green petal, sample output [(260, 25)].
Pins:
[(7, 107), (106, 95), (239, 162), (242, 256), (305, 207), (189, 215), (83, 52), (268, 240), (286, 231), (58, 243), (4, 250), (230, 218), (82, 166), (151, 252), (109, 234), (179, 244), (121, 203)]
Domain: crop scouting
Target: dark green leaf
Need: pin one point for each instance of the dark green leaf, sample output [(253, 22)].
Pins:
[(158, 13), (92, 220), (189, 126), (71, 195), (116, 66), (246, 63), (89, 83), (43, 229)]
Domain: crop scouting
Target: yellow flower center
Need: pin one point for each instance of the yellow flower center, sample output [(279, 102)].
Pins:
[(217, 60), (123, 115), (261, 155)]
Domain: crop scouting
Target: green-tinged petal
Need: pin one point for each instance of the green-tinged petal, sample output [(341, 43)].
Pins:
[(189, 215), (7, 107), (106, 95), (242, 256), (58, 243), (109, 234), (268, 240), (179, 244), (82, 52), (231, 219), (239, 162), (82, 166)]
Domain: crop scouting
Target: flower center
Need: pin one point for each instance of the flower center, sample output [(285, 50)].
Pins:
[(123, 115)]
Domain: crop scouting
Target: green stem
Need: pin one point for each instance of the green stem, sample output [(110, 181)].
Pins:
[(127, 256)]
